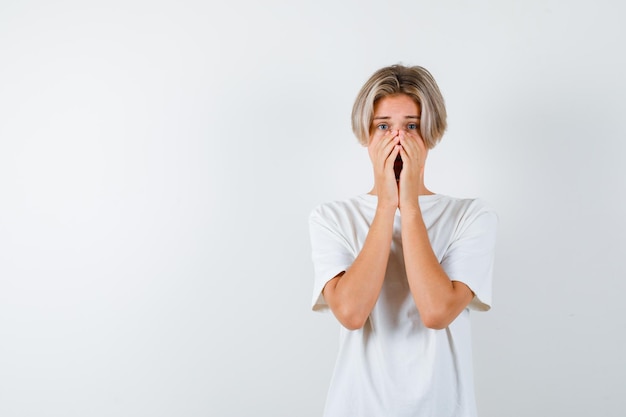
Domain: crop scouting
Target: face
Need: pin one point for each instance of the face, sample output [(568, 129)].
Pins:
[(397, 112), (396, 115)]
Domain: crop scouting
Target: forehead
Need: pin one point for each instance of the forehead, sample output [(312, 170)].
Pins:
[(396, 105)]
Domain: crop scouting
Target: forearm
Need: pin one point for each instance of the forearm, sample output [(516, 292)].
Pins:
[(438, 299), (352, 296)]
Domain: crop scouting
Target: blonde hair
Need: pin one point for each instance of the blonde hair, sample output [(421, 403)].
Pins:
[(417, 83)]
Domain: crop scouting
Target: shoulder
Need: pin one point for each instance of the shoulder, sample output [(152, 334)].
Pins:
[(464, 213), (466, 207), (342, 209)]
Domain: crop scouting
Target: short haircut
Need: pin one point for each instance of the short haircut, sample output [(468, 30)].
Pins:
[(417, 83)]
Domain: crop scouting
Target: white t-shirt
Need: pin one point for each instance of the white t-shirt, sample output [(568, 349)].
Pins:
[(395, 366)]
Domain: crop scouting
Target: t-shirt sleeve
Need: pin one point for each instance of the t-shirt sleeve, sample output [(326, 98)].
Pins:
[(470, 257), (331, 254)]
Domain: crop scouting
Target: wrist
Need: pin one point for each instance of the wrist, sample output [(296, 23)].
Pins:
[(386, 209), (411, 209)]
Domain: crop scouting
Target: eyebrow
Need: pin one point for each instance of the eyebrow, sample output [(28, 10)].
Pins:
[(388, 117)]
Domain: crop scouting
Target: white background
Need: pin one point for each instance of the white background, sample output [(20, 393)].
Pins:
[(158, 162)]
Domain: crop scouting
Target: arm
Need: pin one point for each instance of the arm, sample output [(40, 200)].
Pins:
[(351, 295), (438, 299)]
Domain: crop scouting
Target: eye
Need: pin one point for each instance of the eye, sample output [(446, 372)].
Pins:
[(412, 126), (382, 126)]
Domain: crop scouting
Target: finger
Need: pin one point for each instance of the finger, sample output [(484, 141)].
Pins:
[(383, 149), (408, 145), (380, 141), (387, 143), (391, 158), (380, 136), (411, 159), (392, 167), (404, 154), (413, 145), (415, 137)]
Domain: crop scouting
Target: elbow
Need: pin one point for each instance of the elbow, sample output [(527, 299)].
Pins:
[(435, 324), (353, 325), (351, 320), (436, 321)]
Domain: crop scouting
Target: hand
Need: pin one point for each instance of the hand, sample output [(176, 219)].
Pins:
[(383, 150), (413, 153)]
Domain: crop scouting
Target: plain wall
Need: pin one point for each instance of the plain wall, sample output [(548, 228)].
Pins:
[(158, 162)]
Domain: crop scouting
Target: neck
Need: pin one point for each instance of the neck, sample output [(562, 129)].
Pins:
[(422, 191)]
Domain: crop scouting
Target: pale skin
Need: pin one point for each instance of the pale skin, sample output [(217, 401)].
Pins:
[(352, 294)]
